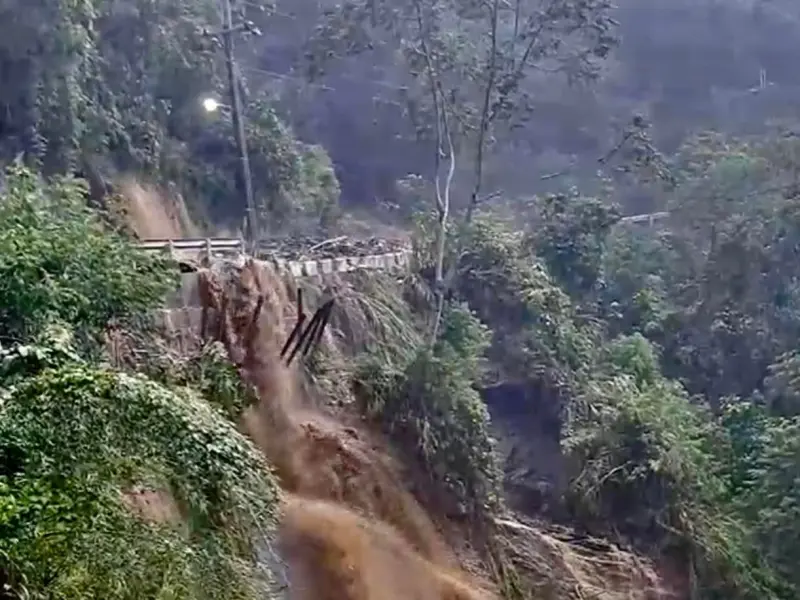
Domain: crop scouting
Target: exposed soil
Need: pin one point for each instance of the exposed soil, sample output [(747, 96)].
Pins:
[(351, 530), (152, 214)]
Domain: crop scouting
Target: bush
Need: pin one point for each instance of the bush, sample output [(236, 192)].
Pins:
[(652, 463), (431, 405), (76, 439), (59, 262), (537, 334)]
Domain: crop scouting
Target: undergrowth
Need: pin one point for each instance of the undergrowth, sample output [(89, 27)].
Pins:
[(647, 463), (649, 460), (375, 317), (75, 437), (430, 403)]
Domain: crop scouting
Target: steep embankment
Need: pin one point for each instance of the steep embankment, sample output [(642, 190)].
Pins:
[(152, 214), (351, 529)]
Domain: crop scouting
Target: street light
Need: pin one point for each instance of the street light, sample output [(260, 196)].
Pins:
[(211, 105)]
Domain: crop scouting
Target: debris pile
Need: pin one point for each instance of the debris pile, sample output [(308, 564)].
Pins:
[(309, 248)]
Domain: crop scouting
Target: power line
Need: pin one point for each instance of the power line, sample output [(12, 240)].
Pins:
[(364, 80), (273, 12), (327, 88)]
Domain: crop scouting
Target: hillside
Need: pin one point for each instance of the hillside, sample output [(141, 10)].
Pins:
[(358, 124), (545, 401), (684, 65), (374, 459), (356, 524)]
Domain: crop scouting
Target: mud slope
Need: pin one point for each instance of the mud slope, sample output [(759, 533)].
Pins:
[(152, 214), (350, 529), (334, 554)]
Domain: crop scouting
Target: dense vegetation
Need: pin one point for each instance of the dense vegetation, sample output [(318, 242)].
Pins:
[(80, 439), (671, 353), (673, 356)]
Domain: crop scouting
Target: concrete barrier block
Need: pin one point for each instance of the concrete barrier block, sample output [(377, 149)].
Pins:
[(340, 265), (326, 266)]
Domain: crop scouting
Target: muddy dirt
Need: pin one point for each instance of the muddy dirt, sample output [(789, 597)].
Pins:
[(153, 214), (350, 530), (336, 554)]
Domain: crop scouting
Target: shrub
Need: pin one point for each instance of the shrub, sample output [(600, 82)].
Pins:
[(59, 262), (650, 462), (74, 439), (431, 405)]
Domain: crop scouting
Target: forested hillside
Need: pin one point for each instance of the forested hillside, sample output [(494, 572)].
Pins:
[(682, 65), (552, 402), (105, 89)]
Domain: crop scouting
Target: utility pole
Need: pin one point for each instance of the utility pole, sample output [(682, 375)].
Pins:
[(237, 115)]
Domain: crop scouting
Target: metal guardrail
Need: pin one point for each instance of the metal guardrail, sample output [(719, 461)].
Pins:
[(193, 244), (310, 268), (296, 268), (645, 218)]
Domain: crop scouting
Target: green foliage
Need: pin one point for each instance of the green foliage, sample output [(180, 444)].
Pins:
[(634, 295), (569, 235), (772, 500), (431, 404), (107, 87), (761, 463), (720, 289), (75, 438), (636, 357), (297, 181), (648, 461), (536, 331), (646, 337), (712, 303), (59, 262), (318, 190), (209, 371), (782, 385)]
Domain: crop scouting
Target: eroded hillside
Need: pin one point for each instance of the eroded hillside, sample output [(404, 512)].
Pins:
[(352, 526), (197, 465)]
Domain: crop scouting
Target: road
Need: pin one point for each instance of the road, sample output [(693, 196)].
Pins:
[(190, 248)]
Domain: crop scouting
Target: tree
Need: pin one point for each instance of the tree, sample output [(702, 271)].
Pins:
[(470, 64), (102, 88), (569, 233), (724, 276)]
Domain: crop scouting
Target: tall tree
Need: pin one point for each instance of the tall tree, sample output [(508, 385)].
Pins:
[(470, 64)]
